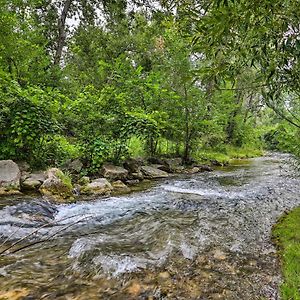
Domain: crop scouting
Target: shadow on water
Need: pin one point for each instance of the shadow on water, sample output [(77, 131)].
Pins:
[(205, 236)]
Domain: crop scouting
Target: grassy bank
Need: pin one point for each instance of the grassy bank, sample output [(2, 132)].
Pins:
[(286, 234), (227, 153)]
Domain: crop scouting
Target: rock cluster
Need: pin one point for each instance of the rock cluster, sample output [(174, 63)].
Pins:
[(56, 185)]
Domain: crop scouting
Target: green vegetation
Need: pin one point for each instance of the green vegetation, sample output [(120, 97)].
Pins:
[(105, 80), (226, 153), (65, 179), (287, 236)]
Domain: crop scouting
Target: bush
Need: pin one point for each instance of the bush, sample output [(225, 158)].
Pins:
[(26, 128)]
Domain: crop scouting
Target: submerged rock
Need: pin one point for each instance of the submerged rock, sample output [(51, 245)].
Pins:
[(99, 186), (153, 173), (57, 186), (114, 172), (37, 211), (10, 176)]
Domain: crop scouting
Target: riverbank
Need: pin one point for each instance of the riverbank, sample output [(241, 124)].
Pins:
[(70, 180), (286, 235)]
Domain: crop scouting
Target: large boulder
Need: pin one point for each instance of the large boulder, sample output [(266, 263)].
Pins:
[(10, 176), (33, 181), (114, 172), (57, 186), (99, 186), (153, 173)]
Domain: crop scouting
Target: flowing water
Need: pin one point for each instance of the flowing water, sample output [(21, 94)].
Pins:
[(202, 236)]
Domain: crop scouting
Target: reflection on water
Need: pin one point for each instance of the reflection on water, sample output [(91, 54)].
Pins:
[(204, 236)]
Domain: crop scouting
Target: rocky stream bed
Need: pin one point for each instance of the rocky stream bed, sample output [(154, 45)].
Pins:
[(200, 236)]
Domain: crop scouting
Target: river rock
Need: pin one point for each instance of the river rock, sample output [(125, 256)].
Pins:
[(153, 173), (136, 176), (120, 187), (114, 172), (10, 176), (57, 186), (33, 181), (133, 165), (99, 186), (172, 165), (204, 168), (193, 170), (132, 181), (159, 167)]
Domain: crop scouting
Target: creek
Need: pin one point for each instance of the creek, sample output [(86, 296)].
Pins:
[(201, 236)]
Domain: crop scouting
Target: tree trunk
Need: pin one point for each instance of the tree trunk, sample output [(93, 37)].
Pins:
[(186, 154), (231, 126), (62, 32)]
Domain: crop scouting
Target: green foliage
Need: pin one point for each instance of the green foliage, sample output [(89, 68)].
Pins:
[(95, 153), (283, 137), (57, 150), (286, 235), (65, 178), (144, 83), (239, 36), (136, 147), (27, 123), (224, 153)]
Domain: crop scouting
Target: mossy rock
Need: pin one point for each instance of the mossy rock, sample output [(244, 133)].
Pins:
[(58, 186)]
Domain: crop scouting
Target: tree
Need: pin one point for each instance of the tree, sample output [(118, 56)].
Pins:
[(238, 35)]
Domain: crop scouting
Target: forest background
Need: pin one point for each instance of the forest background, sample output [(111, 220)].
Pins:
[(105, 80)]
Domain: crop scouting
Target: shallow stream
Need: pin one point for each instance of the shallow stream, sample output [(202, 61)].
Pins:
[(202, 236)]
